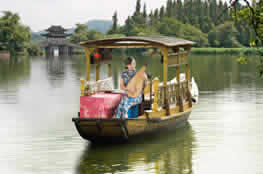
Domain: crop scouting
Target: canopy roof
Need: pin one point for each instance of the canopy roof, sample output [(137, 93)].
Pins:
[(138, 42), (56, 31)]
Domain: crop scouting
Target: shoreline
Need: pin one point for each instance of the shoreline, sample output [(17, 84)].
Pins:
[(236, 51)]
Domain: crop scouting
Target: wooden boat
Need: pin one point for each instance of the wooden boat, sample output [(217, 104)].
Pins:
[(168, 105)]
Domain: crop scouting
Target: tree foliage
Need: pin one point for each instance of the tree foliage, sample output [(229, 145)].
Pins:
[(253, 15), (82, 33), (138, 8), (13, 35), (114, 28), (172, 27), (224, 36), (207, 22), (33, 49)]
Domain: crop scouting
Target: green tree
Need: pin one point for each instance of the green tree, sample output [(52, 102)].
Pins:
[(198, 8), (162, 12), (138, 8), (114, 28), (225, 14), (205, 8), (94, 35), (13, 33), (80, 33), (33, 49), (144, 13), (174, 8), (224, 35), (115, 22), (188, 11), (253, 14), (138, 18), (206, 24), (156, 14), (213, 8), (129, 28), (173, 27), (179, 10), (169, 9)]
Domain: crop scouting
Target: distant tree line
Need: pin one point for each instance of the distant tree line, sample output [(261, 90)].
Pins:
[(208, 23)]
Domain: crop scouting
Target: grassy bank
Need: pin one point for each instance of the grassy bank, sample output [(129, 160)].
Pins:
[(238, 51)]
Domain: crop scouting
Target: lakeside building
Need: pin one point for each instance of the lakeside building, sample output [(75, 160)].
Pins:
[(56, 42)]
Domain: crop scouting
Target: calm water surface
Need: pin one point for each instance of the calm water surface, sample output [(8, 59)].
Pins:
[(39, 96)]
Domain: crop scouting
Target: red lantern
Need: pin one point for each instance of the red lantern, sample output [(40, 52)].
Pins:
[(96, 55)]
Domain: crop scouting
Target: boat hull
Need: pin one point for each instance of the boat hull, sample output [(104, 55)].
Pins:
[(117, 130)]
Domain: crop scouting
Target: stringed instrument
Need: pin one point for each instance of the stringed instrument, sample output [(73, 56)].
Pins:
[(135, 85)]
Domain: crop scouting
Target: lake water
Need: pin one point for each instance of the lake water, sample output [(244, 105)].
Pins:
[(39, 96)]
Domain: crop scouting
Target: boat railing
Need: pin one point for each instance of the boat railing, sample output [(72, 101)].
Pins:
[(176, 94), (173, 93)]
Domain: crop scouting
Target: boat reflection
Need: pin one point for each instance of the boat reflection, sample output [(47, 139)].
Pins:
[(168, 152)]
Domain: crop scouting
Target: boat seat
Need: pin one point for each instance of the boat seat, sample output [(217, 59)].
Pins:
[(99, 105), (133, 112), (100, 85)]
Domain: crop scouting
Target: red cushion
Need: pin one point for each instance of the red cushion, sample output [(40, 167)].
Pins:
[(99, 105)]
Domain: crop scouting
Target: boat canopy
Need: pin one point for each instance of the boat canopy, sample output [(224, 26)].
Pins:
[(138, 42), (169, 47), (100, 51)]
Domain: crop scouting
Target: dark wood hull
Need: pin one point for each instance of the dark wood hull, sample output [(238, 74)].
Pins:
[(117, 130)]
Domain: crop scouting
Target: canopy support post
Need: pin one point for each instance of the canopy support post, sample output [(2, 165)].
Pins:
[(155, 99), (87, 53), (187, 75), (109, 70), (97, 71), (179, 96), (82, 86), (165, 68)]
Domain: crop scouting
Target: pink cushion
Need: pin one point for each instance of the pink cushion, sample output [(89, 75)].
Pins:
[(99, 105)]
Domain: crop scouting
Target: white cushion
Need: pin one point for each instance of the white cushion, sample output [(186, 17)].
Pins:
[(100, 85)]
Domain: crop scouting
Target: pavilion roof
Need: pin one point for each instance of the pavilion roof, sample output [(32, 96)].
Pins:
[(56, 28)]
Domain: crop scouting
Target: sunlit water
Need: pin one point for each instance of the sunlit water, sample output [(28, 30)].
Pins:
[(39, 96)]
